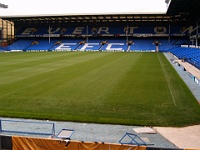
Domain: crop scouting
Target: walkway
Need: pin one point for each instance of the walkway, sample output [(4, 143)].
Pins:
[(193, 86)]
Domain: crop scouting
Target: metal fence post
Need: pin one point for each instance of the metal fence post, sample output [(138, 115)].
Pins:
[(0, 126)]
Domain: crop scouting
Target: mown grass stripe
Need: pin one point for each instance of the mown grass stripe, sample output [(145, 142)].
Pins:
[(120, 88)]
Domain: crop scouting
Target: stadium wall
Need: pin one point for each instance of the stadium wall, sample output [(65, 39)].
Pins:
[(24, 143)]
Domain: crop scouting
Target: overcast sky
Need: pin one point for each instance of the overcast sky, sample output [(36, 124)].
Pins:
[(67, 7)]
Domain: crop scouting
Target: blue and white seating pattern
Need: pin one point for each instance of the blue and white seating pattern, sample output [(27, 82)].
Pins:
[(80, 44)]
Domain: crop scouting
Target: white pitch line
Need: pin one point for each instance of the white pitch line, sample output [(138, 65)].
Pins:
[(169, 87), (23, 87)]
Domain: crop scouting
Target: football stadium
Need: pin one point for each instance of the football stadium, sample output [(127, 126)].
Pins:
[(121, 69)]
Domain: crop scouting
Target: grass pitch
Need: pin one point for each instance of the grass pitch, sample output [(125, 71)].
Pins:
[(116, 88)]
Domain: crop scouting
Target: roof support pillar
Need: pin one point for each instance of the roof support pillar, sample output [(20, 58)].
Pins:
[(197, 33)]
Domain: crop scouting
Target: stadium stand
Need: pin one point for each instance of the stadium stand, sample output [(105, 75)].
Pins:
[(137, 44), (175, 32), (127, 33), (91, 38), (20, 44), (143, 45), (40, 45), (191, 55)]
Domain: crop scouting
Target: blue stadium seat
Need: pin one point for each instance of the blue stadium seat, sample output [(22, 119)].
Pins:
[(142, 45), (42, 44), (191, 55), (20, 44)]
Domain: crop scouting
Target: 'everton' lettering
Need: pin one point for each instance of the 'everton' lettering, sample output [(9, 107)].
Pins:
[(160, 30), (29, 31), (129, 30), (107, 31), (187, 30), (103, 30), (52, 32), (78, 30)]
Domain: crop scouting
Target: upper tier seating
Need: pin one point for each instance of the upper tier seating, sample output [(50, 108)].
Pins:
[(136, 30)]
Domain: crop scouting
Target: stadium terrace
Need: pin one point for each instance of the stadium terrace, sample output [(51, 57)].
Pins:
[(99, 68)]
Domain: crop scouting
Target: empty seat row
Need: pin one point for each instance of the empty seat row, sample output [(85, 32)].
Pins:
[(91, 44), (191, 55)]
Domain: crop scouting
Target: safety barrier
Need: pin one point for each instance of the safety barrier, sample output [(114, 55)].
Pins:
[(27, 127)]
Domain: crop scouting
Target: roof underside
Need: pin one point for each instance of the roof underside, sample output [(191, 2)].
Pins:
[(87, 19), (178, 11), (189, 9)]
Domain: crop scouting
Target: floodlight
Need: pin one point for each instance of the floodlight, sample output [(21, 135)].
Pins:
[(3, 5)]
